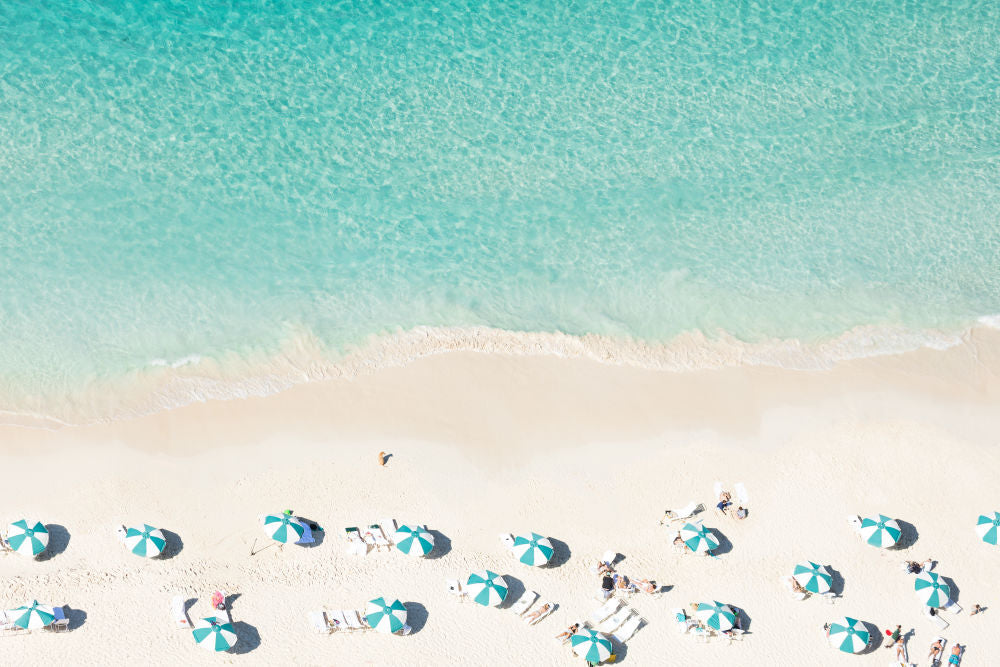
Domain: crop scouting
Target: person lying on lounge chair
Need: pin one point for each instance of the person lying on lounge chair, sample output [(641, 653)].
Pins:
[(535, 615), (956, 655), (568, 632), (679, 542), (644, 585), (797, 587), (935, 650)]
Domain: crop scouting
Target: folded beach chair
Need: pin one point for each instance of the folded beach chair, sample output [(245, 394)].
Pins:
[(455, 589), (544, 614), (628, 628), (177, 609), (507, 540), (523, 602), (611, 623), (605, 610), (317, 619), (936, 619), (379, 536)]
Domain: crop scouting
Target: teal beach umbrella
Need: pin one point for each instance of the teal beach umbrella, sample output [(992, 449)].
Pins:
[(880, 531), (214, 634), (385, 616), (146, 541), (931, 589), (591, 646), (987, 527), (28, 538), (813, 577), (716, 615), (487, 588), (413, 540), (849, 635), (32, 616), (283, 528), (534, 550), (698, 538)]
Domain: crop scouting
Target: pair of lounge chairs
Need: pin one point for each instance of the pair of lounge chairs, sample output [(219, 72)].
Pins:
[(378, 536), (617, 619), (789, 582), (690, 626), (328, 621), (524, 603), (60, 624)]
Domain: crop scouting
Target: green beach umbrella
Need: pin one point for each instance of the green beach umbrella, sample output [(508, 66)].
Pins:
[(814, 578), (698, 539), (849, 635), (487, 588), (385, 616), (27, 538), (716, 615), (32, 616), (880, 531), (534, 550), (283, 528), (414, 540), (147, 541), (931, 589), (591, 646), (214, 634), (987, 527)]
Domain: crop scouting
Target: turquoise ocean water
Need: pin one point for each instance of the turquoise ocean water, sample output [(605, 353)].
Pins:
[(214, 179)]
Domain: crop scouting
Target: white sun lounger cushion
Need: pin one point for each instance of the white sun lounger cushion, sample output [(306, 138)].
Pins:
[(628, 628), (318, 621), (179, 613), (605, 610), (526, 600), (611, 624)]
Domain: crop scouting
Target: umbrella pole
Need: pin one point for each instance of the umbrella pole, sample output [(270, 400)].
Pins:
[(254, 553)]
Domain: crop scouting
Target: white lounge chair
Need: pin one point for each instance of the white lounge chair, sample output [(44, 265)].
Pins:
[(507, 540), (941, 654), (736, 635), (455, 589), (541, 604), (317, 619), (605, 610), (788, 582), (611, 623), (389, 527), (702, 633), (336, 620), (526, 600), (628, 628), (741, 493), (381, 541), (936, 619), (609, 557), (355, 544), (61, 623), (855, 522), (353, 620), (179, 612), (952, 607)]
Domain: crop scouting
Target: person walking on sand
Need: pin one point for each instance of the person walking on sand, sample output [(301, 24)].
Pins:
[(976, 610)]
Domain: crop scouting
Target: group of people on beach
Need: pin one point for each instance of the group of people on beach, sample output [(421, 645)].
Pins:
[(612, 582), (726, 501)]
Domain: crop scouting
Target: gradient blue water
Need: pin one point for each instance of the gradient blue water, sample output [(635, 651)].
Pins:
[(211, 178)]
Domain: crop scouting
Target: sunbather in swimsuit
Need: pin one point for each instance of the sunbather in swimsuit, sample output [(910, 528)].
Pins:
[(534, 616), (569, 632)]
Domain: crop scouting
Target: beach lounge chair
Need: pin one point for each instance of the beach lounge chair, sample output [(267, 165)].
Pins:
[(403, 631), (336, 620), (307, 534), (605, 610), (628, 628), (540, 605), (796, 595), (702, 633), (179, 611), (942, 655), (61, 623), (379, 536), (741, 493), (507, 540), (609, 557), (952, 607), (355, 544), (936, 619), (317, 619), (578, 623), (389, 527), (684, 624), (455, 589), (855, 522), (353, 620), (735, 635), (526, 600), (611, 623)]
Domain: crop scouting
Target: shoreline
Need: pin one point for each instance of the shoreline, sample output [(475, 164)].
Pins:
[(167, 385)]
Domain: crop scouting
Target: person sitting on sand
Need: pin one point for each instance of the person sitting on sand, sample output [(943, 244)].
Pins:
[(935, 649), (741, 512), (568, 632), (621, 581), (535, 615)]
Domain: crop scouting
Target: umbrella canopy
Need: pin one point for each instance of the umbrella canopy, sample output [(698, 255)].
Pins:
[(534, 550), (880, 531), (849, 635), (814, 577), (214, 634), (32, 616), (931, 589), (987, 527), (283, 528), (698, 539), (591, 646), (28, 538), (146, 541), (716, 615), (414, 540), (385, 616), (487, 588)]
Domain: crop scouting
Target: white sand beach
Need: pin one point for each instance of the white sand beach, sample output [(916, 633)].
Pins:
[(587, 453)]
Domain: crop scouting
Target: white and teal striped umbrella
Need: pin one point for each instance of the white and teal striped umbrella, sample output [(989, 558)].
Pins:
[(716, 615), (814, 577), (385, 616), (414, 540), (283, 528), (534, 550), (32, 616), (880, 531), (698, 539), (591, 646), (27, 537), (849, 635), (931, 589), (214, 634), (146, 541), (987, 527), (487, 588)]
